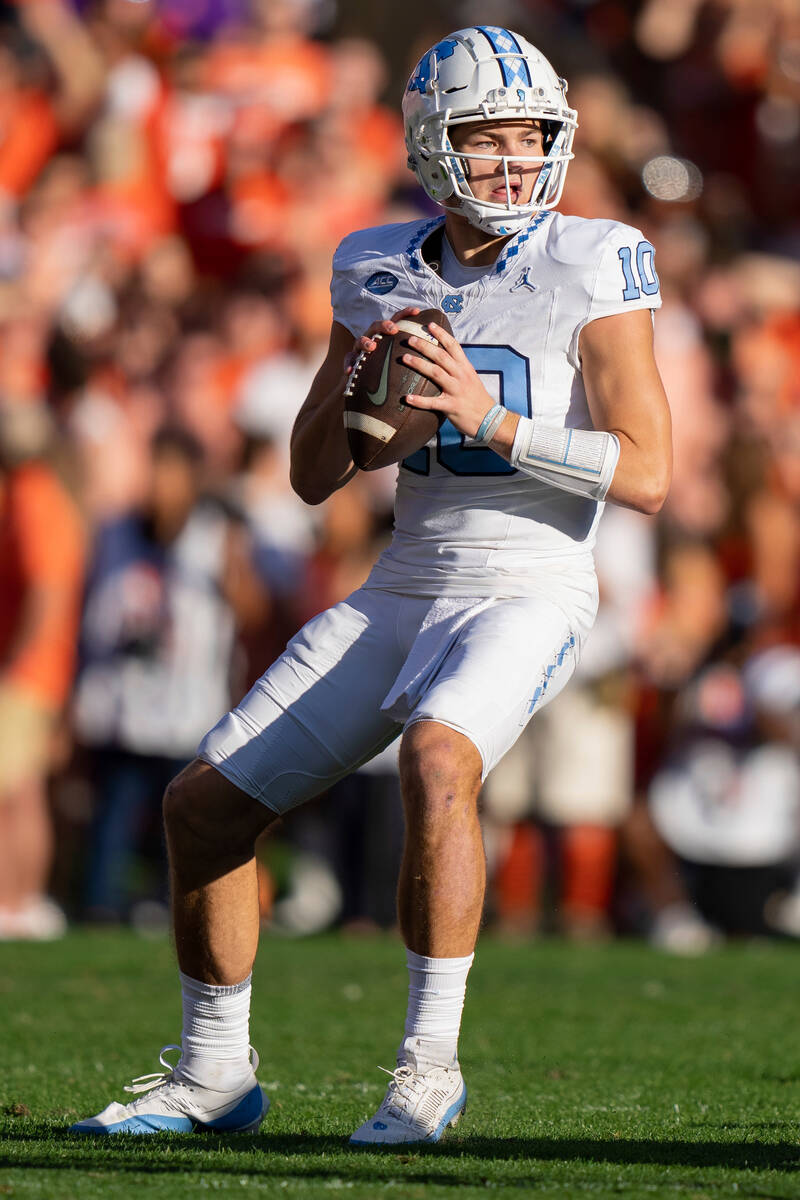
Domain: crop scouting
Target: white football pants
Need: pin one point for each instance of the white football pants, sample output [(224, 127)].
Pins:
[(355, 676)]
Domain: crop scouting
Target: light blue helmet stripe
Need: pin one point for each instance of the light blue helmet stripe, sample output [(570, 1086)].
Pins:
[(502, 41)]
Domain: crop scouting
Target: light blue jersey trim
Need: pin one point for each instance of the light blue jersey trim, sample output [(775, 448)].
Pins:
[(515, 245), (509, 253), (414, 259)]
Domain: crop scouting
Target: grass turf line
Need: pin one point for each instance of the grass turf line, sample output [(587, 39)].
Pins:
[(599, 1071)]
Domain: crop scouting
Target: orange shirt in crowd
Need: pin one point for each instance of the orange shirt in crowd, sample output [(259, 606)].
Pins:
[(28, 137), (42, 547), (288, 78)]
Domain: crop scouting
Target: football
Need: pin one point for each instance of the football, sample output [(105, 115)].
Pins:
[(381, 427)]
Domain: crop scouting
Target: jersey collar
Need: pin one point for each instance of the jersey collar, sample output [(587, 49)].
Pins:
[(513, 248), (428, 280)]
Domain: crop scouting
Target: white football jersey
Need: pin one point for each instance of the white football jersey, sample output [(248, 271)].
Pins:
[(466, 522)]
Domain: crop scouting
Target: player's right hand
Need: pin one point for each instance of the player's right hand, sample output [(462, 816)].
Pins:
[(367, 339)]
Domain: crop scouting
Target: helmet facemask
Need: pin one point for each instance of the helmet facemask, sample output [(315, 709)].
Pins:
[(513, 215), (442, 170)]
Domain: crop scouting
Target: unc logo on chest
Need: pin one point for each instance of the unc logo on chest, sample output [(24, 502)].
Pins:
[(452, 304)]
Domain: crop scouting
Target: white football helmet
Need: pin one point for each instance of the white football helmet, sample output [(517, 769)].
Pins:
[(486, 73)]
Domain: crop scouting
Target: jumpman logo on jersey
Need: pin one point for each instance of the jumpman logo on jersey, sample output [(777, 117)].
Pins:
[(523, 281)]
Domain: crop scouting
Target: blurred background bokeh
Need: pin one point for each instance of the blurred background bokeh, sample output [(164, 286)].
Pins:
[(174, 178)]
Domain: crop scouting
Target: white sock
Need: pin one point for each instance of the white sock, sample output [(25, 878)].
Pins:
[(436, 989), (215, 1042)]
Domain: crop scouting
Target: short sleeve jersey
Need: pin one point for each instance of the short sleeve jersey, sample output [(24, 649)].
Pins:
[(466, 522)]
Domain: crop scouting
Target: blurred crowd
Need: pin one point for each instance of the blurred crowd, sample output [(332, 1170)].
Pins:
[(174, 178)]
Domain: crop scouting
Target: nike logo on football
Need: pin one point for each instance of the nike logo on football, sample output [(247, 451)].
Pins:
[(378, 397)]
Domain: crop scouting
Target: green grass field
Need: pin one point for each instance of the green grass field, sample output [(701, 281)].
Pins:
[(600, 1071)]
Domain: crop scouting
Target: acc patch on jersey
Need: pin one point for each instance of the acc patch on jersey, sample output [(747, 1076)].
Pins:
[(381, 282)]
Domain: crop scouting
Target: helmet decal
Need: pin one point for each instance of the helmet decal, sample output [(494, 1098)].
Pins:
[(422, 76), (514, 67)]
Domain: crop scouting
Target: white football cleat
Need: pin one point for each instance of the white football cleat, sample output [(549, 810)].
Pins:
[(418, 1107), (175, 1105)]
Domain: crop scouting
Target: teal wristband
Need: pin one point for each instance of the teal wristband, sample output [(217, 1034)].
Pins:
[(491, 416)]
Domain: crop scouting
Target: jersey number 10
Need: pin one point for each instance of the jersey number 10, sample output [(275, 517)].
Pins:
[(514, 393), (645, 269)]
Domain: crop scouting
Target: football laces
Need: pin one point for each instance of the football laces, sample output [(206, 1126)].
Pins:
[(358, 364)]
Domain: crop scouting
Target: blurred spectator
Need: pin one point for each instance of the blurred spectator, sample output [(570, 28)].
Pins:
[(685, 627), (167, 583), (41, 574), (727, 798)]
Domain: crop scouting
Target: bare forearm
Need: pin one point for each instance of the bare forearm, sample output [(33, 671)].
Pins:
[(320, 456), (642, 478)]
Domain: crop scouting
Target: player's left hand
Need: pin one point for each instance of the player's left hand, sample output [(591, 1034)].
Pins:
[(464, 399)]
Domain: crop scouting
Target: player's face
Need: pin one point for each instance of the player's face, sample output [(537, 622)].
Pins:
[(517, 139)]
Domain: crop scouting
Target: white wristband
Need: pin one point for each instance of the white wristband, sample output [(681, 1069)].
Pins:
[(576, 460)]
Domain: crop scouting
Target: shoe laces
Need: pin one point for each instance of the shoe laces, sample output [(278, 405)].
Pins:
[(415, 1098), (146, 1083), (400, 1075), (406, 1087)]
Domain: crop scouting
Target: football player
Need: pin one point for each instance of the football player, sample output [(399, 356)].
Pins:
[(474, 616)]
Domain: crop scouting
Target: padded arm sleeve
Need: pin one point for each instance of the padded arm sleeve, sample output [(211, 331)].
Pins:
[(582, 461)]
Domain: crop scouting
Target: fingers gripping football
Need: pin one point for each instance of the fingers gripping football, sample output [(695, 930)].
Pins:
[(367, 343), (381, 426), (463, 397)]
